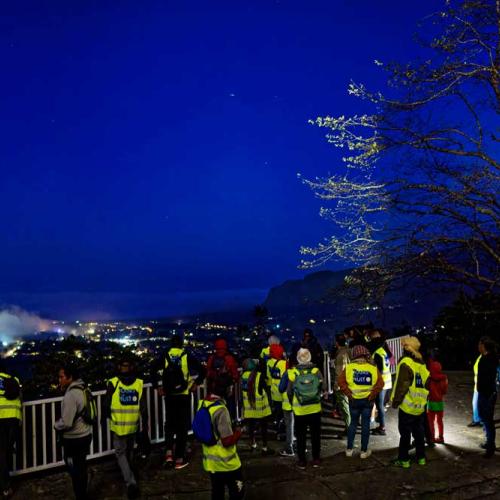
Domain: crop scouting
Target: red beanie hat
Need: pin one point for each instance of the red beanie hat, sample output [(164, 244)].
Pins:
[(276, 351)]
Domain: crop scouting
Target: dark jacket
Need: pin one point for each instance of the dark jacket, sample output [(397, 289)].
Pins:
[(487, 374), (194, 367)]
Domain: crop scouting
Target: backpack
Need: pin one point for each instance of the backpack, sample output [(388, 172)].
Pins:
[(307, 387), (89, 410), (173, 379), (10, 387), (203, 429)]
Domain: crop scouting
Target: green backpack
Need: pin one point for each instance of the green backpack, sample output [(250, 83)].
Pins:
[(89, 410), (307, 387)]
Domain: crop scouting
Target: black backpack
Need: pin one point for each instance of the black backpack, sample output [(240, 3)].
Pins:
[(89, 410), (11, 388), (173, 379)]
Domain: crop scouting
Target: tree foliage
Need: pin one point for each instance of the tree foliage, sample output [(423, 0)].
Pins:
[(417, 194)]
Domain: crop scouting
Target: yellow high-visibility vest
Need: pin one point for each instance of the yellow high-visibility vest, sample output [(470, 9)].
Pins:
[(476, 369), (415, 399), (297, 408), (218, 458), (9, 408), (286, 405), (265, 354), (386, 367), (175, 354), (261, 408), (361, 379), (125, 407), (275, 370)]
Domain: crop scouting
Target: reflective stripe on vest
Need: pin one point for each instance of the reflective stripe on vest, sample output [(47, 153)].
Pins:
[(261, 408), (361, 378), (218, 458), (386, 367), (297, 408), (125, 406), (274, 383), (9, 408), (176, 353), (415, 399), (476, 369)]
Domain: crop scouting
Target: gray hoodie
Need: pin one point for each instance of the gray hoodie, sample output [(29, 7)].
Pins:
[(72, 404)]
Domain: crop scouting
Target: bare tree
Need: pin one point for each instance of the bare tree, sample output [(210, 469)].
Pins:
[(418, 193)]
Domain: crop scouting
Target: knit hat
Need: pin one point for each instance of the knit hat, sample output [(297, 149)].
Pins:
[(273, 340), (304, 356), (276, 351), (360, 351), (412, 345), (249, 364)]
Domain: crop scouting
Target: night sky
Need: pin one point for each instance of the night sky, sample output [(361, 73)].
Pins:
[(150, 150)]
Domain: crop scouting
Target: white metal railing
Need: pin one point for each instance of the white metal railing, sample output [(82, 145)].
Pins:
[(38, 449)]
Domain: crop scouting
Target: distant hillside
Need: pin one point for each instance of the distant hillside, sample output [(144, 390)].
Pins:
[(297, 301)]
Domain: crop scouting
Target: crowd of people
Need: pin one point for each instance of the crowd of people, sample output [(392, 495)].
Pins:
[(281, 397)]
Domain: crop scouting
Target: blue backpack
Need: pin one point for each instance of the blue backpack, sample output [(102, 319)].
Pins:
[(202, 425)]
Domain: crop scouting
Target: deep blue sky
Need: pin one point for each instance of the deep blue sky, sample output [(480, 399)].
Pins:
[(149, 150)]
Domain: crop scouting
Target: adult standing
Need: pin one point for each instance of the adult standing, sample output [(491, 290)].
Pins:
[(10, 420), (341, 360), (222, 365), (275, 369), (410, 397), (305, 387), (310, 342), (361, 381), (75, 432), (181, 372), (487, 392), (125, 405), (381, 356), (476, 421)]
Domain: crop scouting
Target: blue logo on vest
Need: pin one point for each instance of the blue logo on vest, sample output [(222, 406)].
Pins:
[(129, 397), (418, 381), (362, 378), (2, 387)]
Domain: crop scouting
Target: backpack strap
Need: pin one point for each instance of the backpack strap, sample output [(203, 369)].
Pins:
[(79, 414)]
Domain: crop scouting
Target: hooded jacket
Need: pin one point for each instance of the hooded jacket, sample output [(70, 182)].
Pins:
[(230, 364), (70, 424)]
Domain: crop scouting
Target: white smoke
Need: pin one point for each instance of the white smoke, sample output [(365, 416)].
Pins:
[(16, 322)]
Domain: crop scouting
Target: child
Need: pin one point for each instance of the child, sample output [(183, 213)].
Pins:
[(437, 390), (256, 408)]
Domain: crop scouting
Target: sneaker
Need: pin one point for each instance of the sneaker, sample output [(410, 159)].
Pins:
[(366, 454), (169, 460), (474, 424), (349, 452), (133, 491), (379, 431), (404, 464), (266, 452), (422, 461), (439, 440), (287, 453), (483, 446), (301, 465), (253, 446), (180, 464), (7, 493), (490, 452), (316, 462)]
